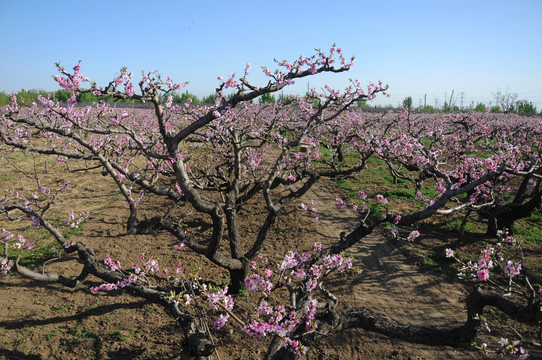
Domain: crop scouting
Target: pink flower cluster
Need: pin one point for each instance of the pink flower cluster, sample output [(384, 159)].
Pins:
[(23, 244), (488, 258), (219, 297), (381, 199), (114, 286), (271, 320), (511, 348), (75, 220), (481, 268), (4, 265), (339, 203), (221, 321), (512, 269), (257, 283), (413, 235), (113, 265)]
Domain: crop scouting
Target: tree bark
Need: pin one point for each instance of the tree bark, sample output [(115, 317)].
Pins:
[(457, 337)]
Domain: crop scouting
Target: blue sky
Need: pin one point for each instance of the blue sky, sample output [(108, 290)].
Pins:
[(423, 49)]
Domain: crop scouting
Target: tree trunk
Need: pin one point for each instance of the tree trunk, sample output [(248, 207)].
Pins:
[(277, 351), (237, 279)]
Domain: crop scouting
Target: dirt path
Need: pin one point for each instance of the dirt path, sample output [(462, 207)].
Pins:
[(390, 284)]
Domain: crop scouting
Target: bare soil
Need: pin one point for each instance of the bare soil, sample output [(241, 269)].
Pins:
[(41, 321)]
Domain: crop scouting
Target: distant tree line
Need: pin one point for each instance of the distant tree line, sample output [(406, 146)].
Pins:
[(505, 103), (27, 97)]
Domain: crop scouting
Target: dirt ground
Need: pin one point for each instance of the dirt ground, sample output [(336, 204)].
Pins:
[(40, 321)]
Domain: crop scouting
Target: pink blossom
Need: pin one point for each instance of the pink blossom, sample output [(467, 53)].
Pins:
[(449, 253), (413, 235), (4, 266), (113, 265), (483, 274), (68, 245), (35, 222), (523, 353), (221, 321), (381, 199), (339, 203), (310, 309), (179, 190), (44, 190), (180, 245), (72, 101), (512, 269), (317, 247)]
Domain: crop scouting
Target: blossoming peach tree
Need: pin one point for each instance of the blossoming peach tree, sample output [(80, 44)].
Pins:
[(214, 160)]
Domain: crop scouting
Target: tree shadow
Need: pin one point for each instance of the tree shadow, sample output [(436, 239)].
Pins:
[(14, 354), (97, 311)]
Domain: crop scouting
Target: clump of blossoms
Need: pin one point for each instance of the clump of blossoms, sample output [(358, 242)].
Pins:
[(147, 265), (18, 242), (114, 266), (490, 260), (512, 348), (476, 269), (301, 273), (5, 266)]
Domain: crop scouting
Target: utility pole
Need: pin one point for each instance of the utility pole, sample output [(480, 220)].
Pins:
[(424, 100), (461, 101)]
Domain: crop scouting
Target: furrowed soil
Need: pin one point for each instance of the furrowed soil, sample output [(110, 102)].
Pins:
[(44, 321)]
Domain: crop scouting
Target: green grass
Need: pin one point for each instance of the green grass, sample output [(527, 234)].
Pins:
[(389, 179), (51, 334), (60, 307), (404, 194), (117, 335), (531, 235), (149, 309), (7, 177), (19, 341), (455, 225), (530, 229), (80, 332), (35, 258)]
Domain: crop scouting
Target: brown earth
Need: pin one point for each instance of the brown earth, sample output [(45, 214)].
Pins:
[(40, 321)]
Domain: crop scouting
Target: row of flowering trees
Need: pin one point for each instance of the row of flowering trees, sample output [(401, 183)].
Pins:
[(216, 159)]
